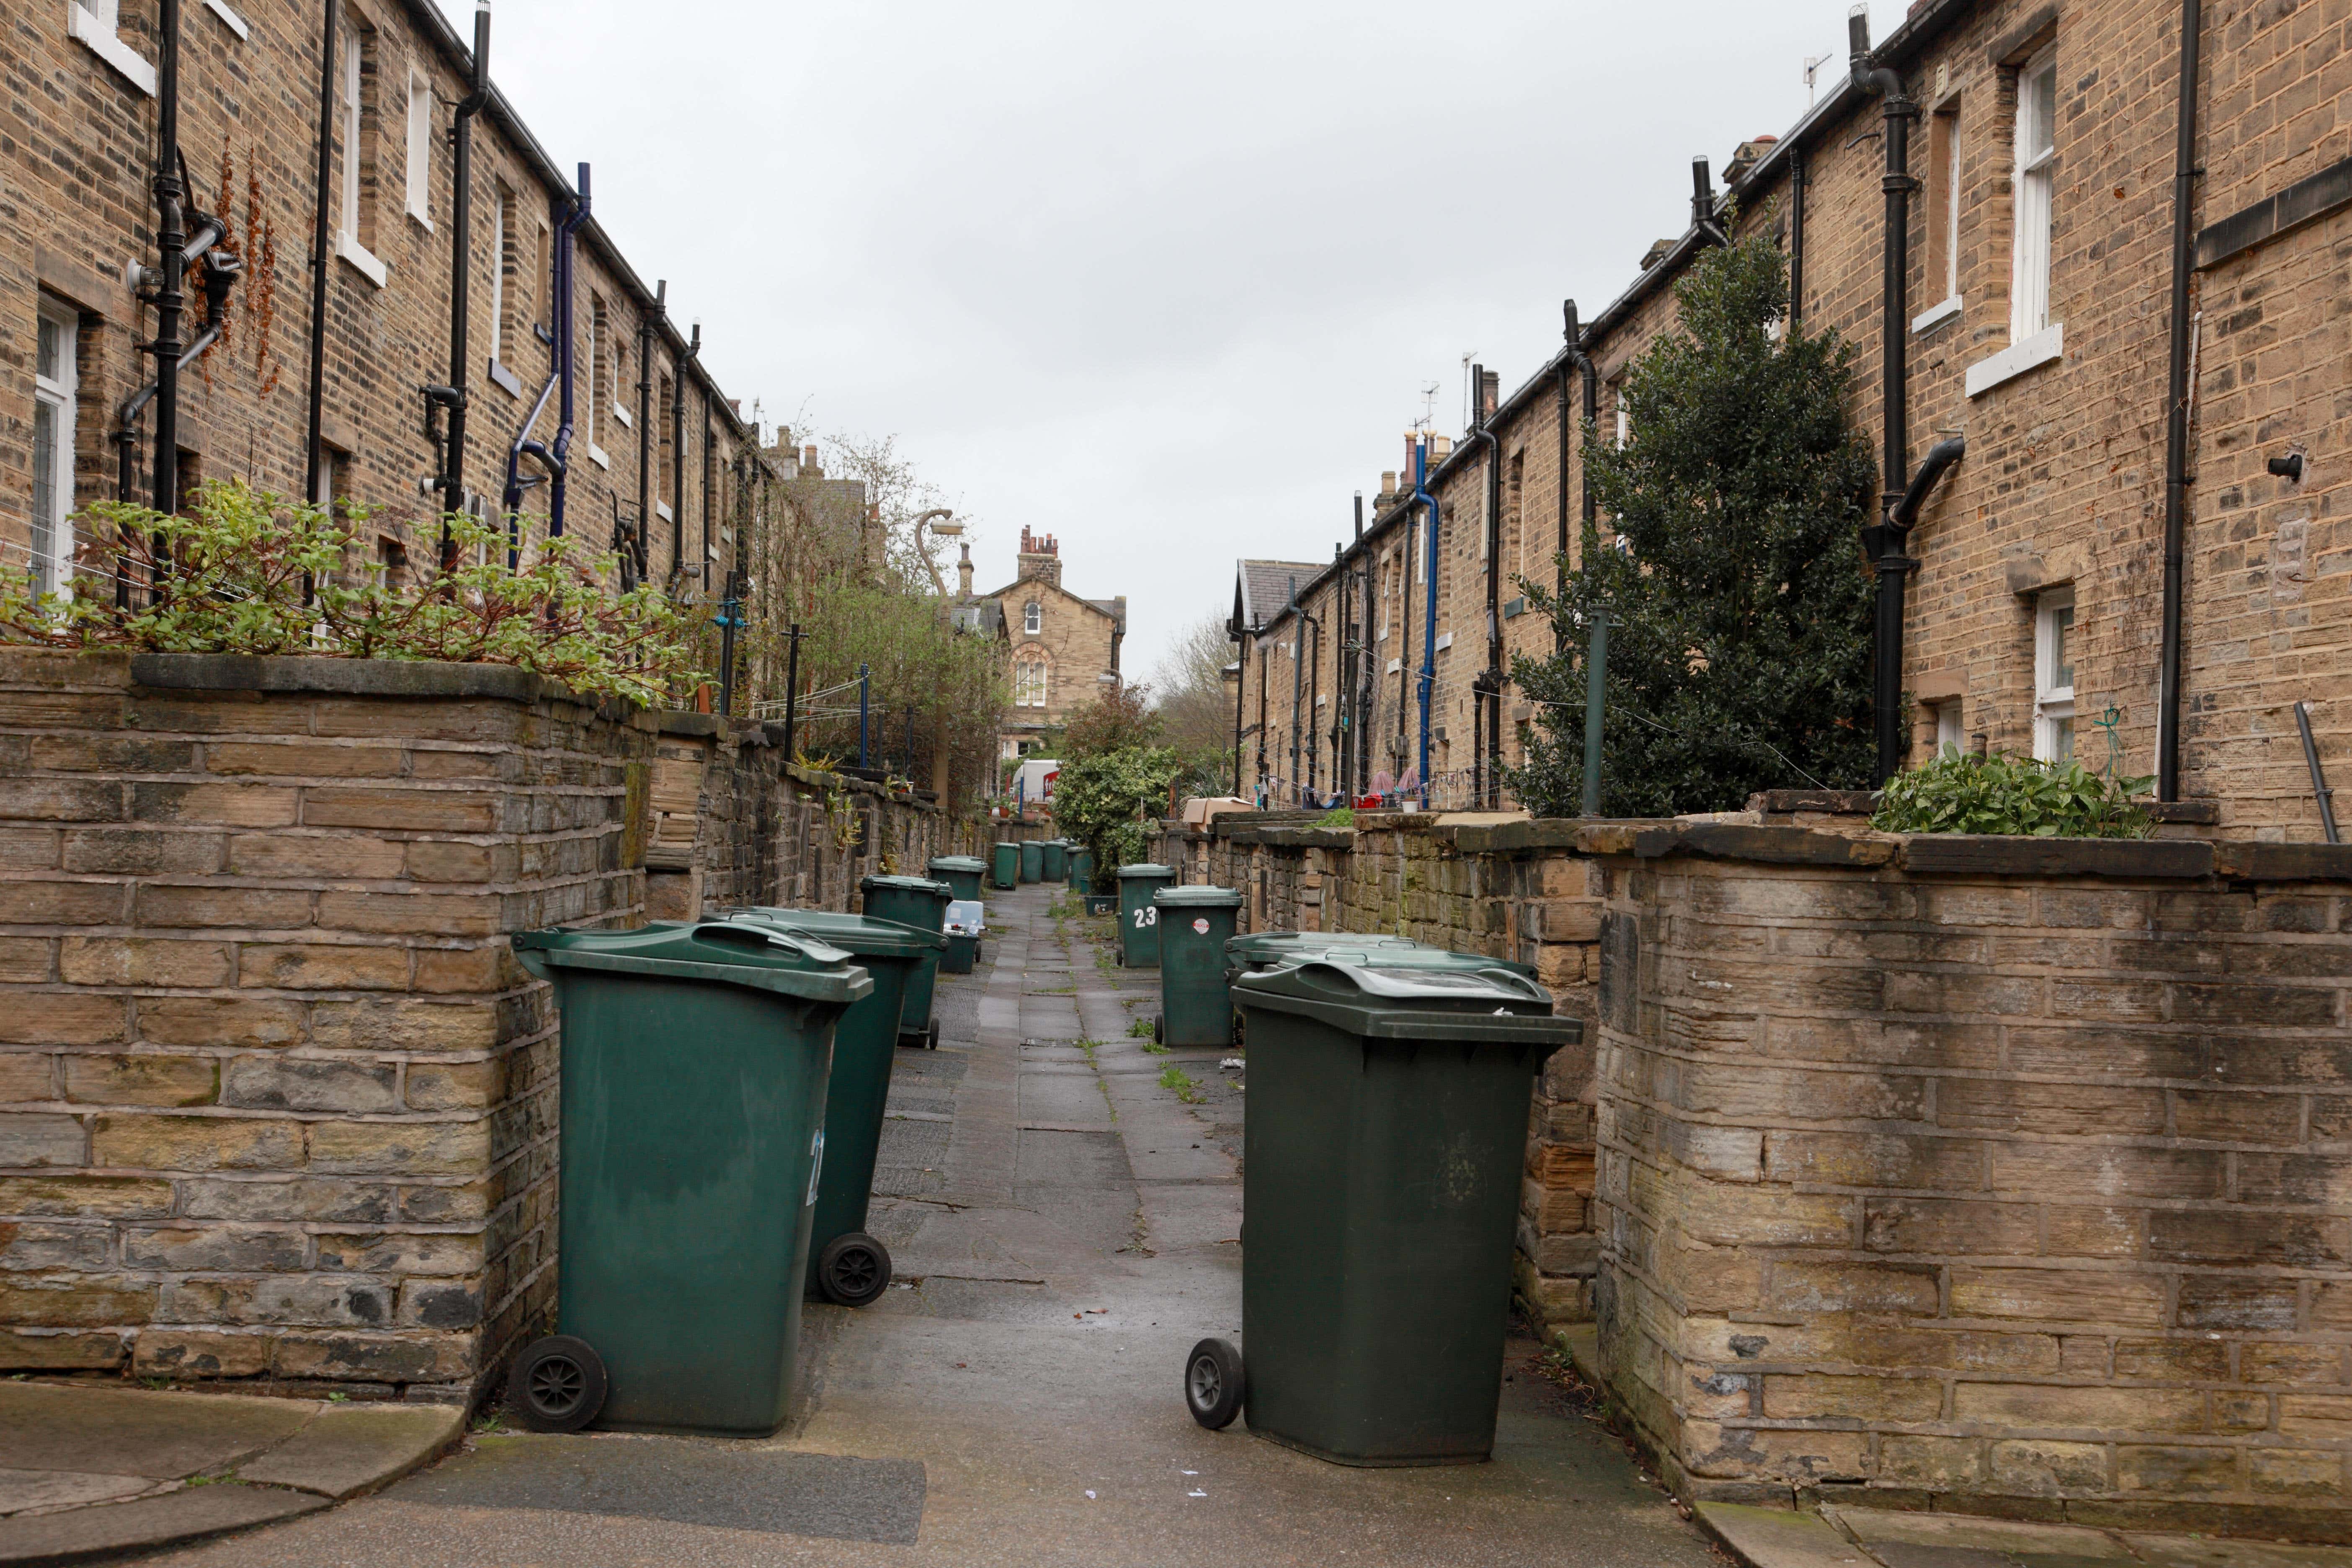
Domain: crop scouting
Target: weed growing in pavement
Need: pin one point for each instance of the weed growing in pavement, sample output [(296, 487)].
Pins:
[(1090, 1047), (1179, 1082), (1141, 1028), (1154, 1048)]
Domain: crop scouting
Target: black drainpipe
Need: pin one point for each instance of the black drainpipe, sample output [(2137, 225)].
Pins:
[(646, 341), (703, 565), (171, 237), (320, 238), (1800, 176), (1482, 687), (453, 396), (2176, 425), (1883, 542), (678, 459)]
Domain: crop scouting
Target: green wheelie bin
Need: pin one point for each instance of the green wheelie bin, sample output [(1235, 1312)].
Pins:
[(694, 1060), (1387, 1127), (962, 873), (846, 1265), (1005, 868), (1194, 925), (1033, 859), (1082, 869), (920, 903), (1138, 922), (1053, 856)]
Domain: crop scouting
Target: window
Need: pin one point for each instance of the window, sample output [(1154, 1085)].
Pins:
[(502, 264), (2037, 156), (2053, 675), (1948, 727), (1029, 682), (1942, 272), (94, 22), (420, 148), (597, 373), (666, 481), (55, 382), (1033, 617), (356, 241)]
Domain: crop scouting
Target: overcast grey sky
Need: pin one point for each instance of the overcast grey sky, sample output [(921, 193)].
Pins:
[(1165, 283)]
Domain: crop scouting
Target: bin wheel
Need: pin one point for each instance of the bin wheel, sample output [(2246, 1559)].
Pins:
[(557, 1384), (1213, 1385), (1160, 1030), (854, 1269), (931, 1037)]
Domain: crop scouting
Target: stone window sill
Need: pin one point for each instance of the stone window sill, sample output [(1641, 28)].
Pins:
[(2043, 348), (102, 43), (234, 23), (1444, 641), (504, 380), (362, 259), (596, 455), (1935, 316)]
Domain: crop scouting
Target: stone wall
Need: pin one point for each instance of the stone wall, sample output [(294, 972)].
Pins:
[(1992, 1174), (275, 1100), (1505, 887)]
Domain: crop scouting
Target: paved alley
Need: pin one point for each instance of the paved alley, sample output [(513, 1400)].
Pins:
[(1064, 1210)]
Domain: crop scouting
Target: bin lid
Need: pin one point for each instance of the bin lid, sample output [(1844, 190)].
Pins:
[(957, 863), (1371, 996), (1276, 946), (1197, 898), (907, 884), (855, 934), (1411, 955), (1146, 869), (733, 953)]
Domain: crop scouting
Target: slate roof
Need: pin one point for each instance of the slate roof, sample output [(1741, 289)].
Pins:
[(1261, 588)]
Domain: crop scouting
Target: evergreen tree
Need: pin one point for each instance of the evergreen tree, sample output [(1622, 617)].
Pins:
[(1738, 605)]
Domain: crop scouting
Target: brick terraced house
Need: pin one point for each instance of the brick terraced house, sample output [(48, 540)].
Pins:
[(653, 437), (2047, 215), (1064, 649)]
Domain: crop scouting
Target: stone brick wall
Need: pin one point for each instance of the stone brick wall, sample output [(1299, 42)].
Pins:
[(1987, 1174), (275, 1100), (1511, 890)]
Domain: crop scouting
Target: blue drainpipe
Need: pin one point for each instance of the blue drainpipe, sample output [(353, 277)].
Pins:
[(558, 375), (565, 302), (1429, 639)]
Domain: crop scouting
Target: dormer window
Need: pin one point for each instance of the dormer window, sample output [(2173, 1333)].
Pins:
[(1033, 617)]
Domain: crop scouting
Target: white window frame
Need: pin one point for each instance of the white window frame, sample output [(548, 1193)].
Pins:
[(2033, 210), (354, 119), (1033, 618), (1030, 679), (2054, 663), (1949, 732), (94, 23), (52, 569), (420, 149), (502, 199)]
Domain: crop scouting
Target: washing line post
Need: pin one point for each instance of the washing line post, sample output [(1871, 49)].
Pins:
[(792, 687), (1596, 682), (863, 686)]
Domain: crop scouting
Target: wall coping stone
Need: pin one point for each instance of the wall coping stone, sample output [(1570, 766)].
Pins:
[(342, 677), (678, 722)]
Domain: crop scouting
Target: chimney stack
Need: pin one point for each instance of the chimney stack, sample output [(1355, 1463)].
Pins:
[(808, 463), (963, 574), (1041, 558)]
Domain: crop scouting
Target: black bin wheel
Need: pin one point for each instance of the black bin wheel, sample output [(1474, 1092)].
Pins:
[(1160, 1030), (932, 1038), (1214, 1388), (557, 1384), (853, 1271)]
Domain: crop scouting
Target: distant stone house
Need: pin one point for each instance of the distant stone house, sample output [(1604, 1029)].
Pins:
[(1064, 649)]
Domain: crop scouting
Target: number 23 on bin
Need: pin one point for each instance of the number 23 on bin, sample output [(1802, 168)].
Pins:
[(1146, 916)]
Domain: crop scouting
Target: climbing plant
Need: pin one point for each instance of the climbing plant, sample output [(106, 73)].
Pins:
[(1727, 559)]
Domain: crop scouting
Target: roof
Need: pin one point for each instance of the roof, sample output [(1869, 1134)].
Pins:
[(1114, 608), (1261, 588)]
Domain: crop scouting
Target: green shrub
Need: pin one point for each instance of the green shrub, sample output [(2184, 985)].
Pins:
[(229, 576), (2006, 794)]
